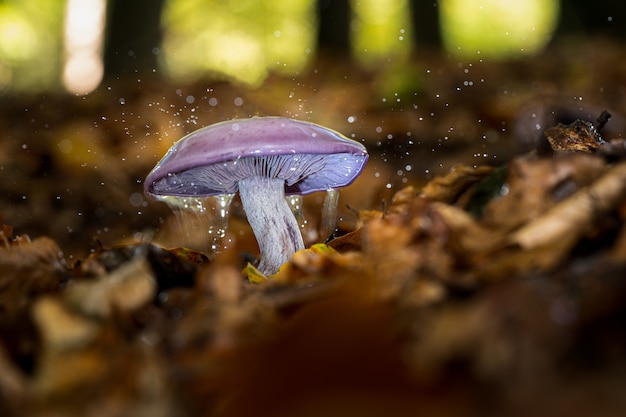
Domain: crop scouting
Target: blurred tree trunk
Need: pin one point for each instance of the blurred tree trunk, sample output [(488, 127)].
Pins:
[(334, 26), (133, 36), (425, 21), (607, 17)]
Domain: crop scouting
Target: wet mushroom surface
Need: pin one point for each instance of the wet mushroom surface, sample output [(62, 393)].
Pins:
[(476, 266)]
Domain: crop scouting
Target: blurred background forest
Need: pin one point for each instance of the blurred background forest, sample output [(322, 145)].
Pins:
[(93, 92), (76, 44)]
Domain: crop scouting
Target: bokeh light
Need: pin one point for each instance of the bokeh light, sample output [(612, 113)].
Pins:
[(497, 28)]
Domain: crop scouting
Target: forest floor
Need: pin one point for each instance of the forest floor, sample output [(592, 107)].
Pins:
[(478, 266)]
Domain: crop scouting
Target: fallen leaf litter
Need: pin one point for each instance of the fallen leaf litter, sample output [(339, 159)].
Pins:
[(485, 282)]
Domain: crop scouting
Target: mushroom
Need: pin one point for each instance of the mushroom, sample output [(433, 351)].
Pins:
[(264, 158)]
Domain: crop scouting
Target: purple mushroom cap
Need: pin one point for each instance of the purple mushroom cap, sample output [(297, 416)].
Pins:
[(211, 160), (263, 158)]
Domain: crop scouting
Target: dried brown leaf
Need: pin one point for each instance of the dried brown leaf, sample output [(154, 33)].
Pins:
[(60, 328), (449, 187), (27, 269), (566, 222), (400, 252), (320, 262), (578, 136), (127, 288), (464, 234), (535, 185), (405, 205), (348, 242)]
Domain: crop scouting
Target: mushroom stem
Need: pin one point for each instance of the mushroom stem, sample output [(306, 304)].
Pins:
[(329, 213), (274, 225)]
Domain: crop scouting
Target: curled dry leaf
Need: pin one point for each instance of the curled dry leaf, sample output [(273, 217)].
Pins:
[(320, 257), (406, 246), (449, 187), (127, 288), (400, 203), (320, 261), (171, 267), (60, 328), (533, 185), (573, 217), (580, 136), (28, 269), (466, 236), (349, 242)]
